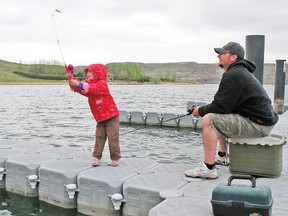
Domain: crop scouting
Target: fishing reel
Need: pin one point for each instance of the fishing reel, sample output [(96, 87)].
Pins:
[(190, 111), (69, 71)]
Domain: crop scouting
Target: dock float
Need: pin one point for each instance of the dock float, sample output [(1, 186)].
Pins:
[(162, 119), (64, 177)]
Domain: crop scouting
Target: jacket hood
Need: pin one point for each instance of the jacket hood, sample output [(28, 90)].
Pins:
[(251, 67), (99, 71)]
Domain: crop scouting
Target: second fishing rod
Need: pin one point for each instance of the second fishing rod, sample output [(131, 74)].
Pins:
[(189, 112)]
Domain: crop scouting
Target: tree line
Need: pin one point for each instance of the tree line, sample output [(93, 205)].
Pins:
[(117, 72)]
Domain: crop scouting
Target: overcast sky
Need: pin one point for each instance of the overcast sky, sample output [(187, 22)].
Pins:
[(149, 31)]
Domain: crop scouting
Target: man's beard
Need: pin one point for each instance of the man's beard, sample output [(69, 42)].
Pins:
[(220, 65)]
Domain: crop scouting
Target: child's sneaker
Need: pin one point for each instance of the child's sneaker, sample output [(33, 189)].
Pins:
[(202, 172), (222, 160), (95, 162), (114, 163)]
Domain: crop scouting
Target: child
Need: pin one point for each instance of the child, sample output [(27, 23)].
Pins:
[(103, 108)]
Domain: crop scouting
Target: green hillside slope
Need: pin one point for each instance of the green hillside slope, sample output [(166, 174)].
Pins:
[(180, 71)]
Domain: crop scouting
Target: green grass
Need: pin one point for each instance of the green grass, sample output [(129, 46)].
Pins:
[(8, 73)]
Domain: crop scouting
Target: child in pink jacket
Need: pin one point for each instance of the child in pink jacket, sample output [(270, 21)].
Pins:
[(104, 110)]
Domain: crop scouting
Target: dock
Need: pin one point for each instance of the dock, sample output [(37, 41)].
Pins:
[(64, 177)]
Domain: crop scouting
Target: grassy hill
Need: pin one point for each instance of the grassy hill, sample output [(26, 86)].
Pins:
[(185, 71), (202, 73), (192, 72), (14, 73)]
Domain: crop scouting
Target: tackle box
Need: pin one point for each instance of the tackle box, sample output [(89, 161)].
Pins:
[(256, 156), (241, 199)]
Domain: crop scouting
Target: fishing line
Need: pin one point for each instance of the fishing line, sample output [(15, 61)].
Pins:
[(178, 117), (56, 36)]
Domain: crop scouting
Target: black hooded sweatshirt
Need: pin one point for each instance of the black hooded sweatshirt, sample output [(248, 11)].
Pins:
[(241, 93)]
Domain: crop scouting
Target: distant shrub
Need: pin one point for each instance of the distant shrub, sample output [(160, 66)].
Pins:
[(127, 72), (40, 76)]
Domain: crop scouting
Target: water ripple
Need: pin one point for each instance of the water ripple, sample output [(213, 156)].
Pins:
[(55, 115)]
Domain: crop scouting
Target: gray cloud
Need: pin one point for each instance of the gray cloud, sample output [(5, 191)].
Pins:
[(141, 30)]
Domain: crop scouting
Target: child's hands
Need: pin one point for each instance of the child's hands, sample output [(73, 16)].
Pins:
[(73, 82), (69, 76), (69, 72)]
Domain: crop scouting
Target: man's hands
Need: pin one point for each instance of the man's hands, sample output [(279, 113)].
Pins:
[(194, 112), (190, 111)]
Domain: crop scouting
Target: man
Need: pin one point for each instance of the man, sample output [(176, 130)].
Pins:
[(241, 108)]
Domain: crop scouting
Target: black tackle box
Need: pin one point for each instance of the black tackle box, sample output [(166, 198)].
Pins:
[(241, 200)]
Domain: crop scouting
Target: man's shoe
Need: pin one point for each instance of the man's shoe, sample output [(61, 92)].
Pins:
[(222, 160), (202, 172)]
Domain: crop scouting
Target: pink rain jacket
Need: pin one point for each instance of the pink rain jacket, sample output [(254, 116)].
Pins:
[(101, 102)]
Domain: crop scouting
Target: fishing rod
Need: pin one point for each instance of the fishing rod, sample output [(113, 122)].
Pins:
[(189, 112), (56, 35), (69, 68)]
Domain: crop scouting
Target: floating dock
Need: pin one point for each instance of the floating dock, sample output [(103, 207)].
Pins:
[(64, 177)]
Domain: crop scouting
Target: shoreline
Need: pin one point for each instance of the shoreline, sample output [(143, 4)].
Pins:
[(109, 83)]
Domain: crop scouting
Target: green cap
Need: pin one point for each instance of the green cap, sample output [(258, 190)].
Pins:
[(233, 48)]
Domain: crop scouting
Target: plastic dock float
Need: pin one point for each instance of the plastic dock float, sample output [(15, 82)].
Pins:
[(20, 169), (142, 192), (100, 188), (4, 154), (160, 119), (176, 120), (64, 177), (58, 180)]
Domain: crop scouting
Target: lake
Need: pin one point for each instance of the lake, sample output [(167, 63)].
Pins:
[(57, 116)]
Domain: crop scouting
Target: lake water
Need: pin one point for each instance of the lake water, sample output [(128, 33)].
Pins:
[(57, 116)]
